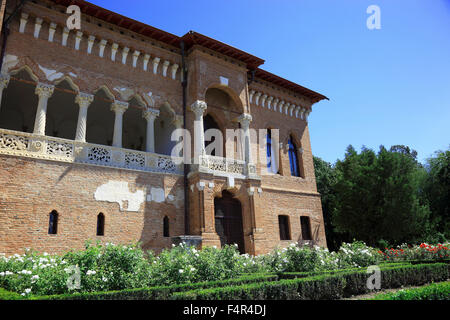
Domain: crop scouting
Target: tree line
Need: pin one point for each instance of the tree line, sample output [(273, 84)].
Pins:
[(385, 198)]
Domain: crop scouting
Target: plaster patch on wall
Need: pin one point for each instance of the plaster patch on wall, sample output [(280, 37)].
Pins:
[(119, 191), (157, 195), (51, 74)]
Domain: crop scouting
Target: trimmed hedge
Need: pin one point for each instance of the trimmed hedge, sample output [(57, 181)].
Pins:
[(294, 275), (333, 286), (434, 291), (9, 295), (159, 292)]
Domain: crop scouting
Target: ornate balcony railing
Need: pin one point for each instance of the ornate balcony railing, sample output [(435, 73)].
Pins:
[(226, 167), (51, 148)]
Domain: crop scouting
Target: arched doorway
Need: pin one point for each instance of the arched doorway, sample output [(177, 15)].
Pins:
[(228, 220)]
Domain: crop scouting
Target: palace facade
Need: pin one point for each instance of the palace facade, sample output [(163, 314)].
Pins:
[(86, 124)]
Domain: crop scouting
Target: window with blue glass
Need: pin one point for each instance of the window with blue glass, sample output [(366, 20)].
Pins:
[(293, 158), (269, 149)]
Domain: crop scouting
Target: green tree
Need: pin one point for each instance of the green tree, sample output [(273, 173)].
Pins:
[(326, 179), (378, 196), (437, 192)]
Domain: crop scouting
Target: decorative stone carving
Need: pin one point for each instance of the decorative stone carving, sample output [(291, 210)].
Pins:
[(65, 36), (125, 51), (23, 22), (155, 65), (37, 27), (78, 38), (174, 69), (114, 48), (146, 59), (136, 54), (102, 46), (91, 41), (51, 31), (165, 66)]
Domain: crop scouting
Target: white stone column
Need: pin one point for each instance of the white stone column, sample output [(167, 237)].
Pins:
[(44, 91), (4, 80), (101, 49), (119, 109), (199, 107), (83, 100), (145, 63), (150, 115), (91, 40), (174, 69), (245, 120), (65, 36)]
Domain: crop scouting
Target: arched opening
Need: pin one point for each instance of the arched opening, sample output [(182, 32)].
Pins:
[(164, 126), (166, 227), (228, 220), (19, 103), (306, 228), (295, 159), (100, 119), (272, 151), (62, 112), (53, 222), (211, 137), (100, 224), (134, 127), (226, 107), (285, 230)]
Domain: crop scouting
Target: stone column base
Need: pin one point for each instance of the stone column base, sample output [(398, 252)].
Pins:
[(210, 239)]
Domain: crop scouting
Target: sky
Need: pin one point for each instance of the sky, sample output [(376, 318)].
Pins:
[(386, 86)]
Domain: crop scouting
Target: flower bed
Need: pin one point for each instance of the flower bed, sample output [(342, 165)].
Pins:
[(116, 267), (423, 252)]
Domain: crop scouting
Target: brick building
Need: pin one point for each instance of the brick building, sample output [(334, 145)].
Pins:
[(86, 124)]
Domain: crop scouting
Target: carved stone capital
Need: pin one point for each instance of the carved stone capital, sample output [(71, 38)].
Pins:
[(119, 106), (199, 107), (244, 119), (44, 90), (150, 114), (84, 99)]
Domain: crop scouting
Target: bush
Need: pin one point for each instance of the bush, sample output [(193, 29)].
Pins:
[(159, 292), (434, 291), (333, 286)]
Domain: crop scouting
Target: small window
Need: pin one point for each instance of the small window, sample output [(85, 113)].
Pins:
[(306, 228), (101, 224), (166, 227), (283, 222), (293, 158), (53, 222)]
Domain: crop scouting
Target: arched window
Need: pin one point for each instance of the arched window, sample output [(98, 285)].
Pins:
[(306, 228), (272, 152), (283, 222), (53, 222), (101, 224), (293, 159), (166, 232)]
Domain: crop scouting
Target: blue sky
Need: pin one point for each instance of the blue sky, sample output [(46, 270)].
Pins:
[(388, 86)]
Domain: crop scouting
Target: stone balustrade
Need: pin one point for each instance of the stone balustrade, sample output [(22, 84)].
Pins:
[(50, 148)]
